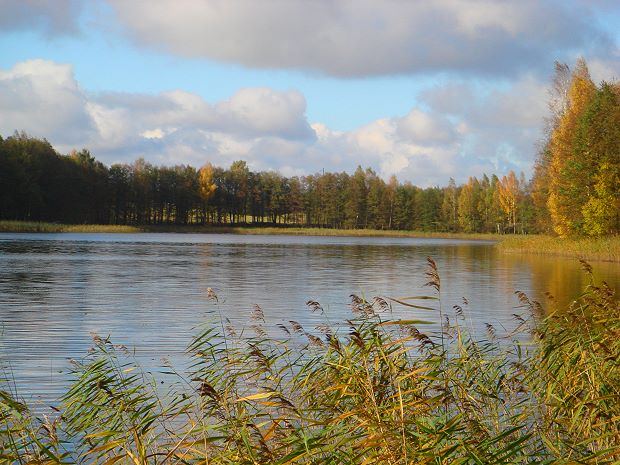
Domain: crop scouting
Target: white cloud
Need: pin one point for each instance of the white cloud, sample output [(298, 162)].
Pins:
[(423, 127), (383, 146), (368, 37), (501, 125), (156, 133), (261, 110), (46, 97), (250, 112)]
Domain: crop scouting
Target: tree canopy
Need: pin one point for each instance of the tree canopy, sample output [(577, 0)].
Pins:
[(577, 176)]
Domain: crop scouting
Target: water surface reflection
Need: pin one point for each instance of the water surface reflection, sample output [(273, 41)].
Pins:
[(148, 291)]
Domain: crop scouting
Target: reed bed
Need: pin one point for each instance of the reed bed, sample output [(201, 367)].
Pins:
[(39, 227), (586, 248), (100, 228), (299, 231), (25, 226), (29, 226), (375, 391)]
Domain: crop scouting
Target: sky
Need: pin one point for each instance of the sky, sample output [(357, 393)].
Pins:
[(424, 90)]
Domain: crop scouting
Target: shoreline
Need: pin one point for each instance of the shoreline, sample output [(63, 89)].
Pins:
[(40, 227), (590, 249)]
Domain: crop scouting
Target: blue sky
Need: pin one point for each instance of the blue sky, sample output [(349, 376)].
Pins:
[(422, 90)]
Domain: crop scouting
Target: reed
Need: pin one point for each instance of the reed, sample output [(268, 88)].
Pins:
[(25, 226), (100, 228), (377, 390), (29, 226), (39, 227), (299, 231), (585, 248)]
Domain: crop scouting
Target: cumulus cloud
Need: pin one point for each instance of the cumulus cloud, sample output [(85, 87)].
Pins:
[(502, 125), (44, 97), (59, 17), (382, 146), (367, 37), (250, 112), (422, 127)]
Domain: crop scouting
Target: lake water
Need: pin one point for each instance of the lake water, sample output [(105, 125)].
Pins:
[(150, 291)]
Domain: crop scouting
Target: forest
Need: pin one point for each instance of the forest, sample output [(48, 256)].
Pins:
[(575, 189)]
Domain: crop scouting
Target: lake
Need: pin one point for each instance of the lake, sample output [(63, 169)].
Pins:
[(150, 291)]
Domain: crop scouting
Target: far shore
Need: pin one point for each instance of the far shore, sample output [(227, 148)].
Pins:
[(590, 249)]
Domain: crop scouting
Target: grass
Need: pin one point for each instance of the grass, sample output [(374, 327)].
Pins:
[(376, 391)]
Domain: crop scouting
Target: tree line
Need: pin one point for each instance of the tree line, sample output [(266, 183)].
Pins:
[(39, 184), (575, 189)]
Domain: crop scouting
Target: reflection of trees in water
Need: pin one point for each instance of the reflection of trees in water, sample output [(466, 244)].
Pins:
[(561, 278), (17, 277)]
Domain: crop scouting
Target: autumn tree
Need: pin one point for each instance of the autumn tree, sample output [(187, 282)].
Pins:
[(206, 187), (540, 191), (449, 207), (427, 216), (469, 217), (377, 202), (390, 193), (405, 206), (567, 193), (509, 191), (489, 207), (575, 189), (356, 203), (598, 142), (295, 200), (237, 188), (602, 211)]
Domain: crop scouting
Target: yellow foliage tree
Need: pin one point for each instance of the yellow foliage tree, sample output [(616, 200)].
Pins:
[(509, 191), (565, 184), (602, 211), (468, 203), (206, 184)]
